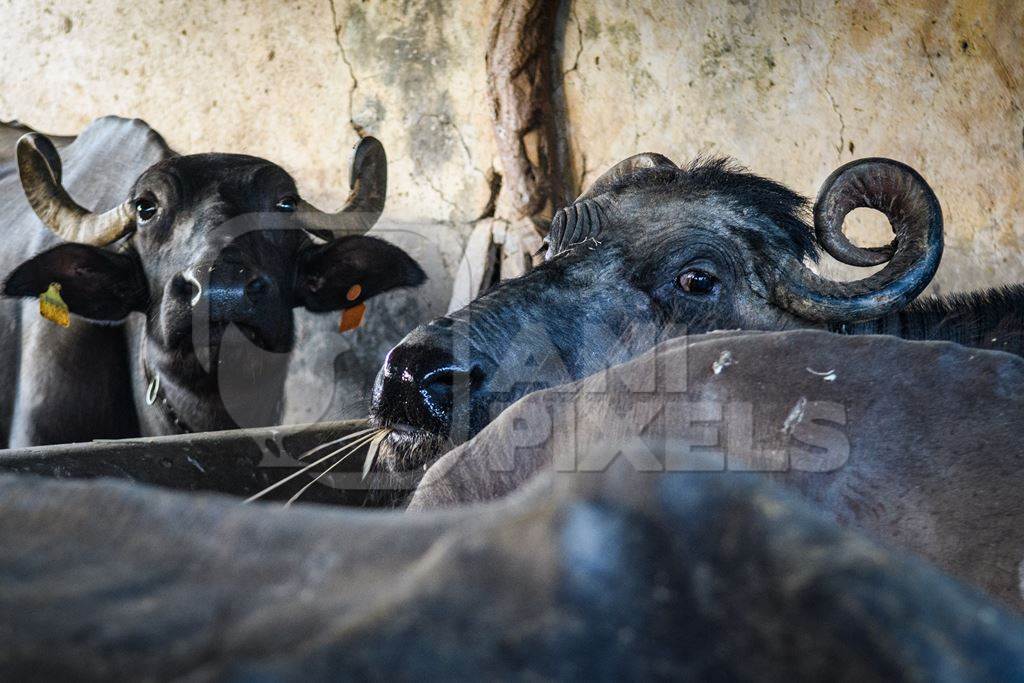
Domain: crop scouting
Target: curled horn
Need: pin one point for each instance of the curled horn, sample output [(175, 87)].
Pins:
[(368, 182), (583, 219), (40, 170), (899, 192)]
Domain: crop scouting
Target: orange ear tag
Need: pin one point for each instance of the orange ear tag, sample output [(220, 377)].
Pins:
[(351, 318)]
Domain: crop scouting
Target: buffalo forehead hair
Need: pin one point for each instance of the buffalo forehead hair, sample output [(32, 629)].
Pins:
[(724, 178)]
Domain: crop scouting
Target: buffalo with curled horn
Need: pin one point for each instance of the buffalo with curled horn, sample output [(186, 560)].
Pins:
[(199, 255), (911, 259), (888, 186), (653, 251)]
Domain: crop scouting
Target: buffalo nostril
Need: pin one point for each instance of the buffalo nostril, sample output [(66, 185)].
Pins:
[(441, 382), (425, 386), (186, 286), (256, 287), (442, 323)]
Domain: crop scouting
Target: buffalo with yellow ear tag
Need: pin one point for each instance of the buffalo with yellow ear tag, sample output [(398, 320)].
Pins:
[(52, 306)]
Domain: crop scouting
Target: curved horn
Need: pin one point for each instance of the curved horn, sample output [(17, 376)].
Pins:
[(40, 170), (368, 180), (899, 192), (624, 169)]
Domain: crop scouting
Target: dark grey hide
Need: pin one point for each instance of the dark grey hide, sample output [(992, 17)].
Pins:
[(210, 255), (74, 384), (917, 443), (611, 576), (653, 251)]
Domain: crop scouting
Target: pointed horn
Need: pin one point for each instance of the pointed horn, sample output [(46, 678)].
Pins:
[(368, 180), (899, 192), (40, 170)]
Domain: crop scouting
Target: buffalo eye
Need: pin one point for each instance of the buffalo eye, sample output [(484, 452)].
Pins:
[(145, 209), (286, 205), (697, 282)]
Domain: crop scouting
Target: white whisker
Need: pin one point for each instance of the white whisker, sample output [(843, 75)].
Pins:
[(295, 474), (373, 449), (342, 439), (348, 450)]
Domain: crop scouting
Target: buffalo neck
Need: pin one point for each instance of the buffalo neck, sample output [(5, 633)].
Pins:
[(991, 319), (180, 395), (227, 391)]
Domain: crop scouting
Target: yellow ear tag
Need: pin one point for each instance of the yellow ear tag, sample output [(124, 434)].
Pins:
[(52, 307), (351, 318)]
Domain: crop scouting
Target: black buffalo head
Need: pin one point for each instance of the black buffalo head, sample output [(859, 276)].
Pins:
[(653, 251), (204, 245)]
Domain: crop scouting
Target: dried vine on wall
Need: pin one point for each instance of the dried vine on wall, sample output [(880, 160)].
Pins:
[(522, 74)]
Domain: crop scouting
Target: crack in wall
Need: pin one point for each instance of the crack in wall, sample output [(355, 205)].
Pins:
[(351, 72), (829, 38), (842, 122), (440, 195), (579, 50), (445, 120), (832, 101), (488, 177), (928, 57)]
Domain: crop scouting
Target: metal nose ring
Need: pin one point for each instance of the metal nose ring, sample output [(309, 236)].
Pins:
[(153, 390)]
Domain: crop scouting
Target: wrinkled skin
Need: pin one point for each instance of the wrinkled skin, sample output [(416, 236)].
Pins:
[(596, 305), (605, 298), (593, 305), (219, 258)]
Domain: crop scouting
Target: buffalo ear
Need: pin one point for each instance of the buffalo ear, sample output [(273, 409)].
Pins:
[(95, 283), (328, 273)]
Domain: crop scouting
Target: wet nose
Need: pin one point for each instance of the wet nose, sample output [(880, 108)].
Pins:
[(253, 287), (236, 291), (246, 296), (423, 384)]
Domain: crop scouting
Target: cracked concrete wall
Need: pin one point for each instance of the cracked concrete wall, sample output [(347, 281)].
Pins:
[(280, 81), (790, 89), (794, 89)]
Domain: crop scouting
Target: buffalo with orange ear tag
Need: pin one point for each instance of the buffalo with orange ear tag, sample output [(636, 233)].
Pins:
[(351, 318)]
